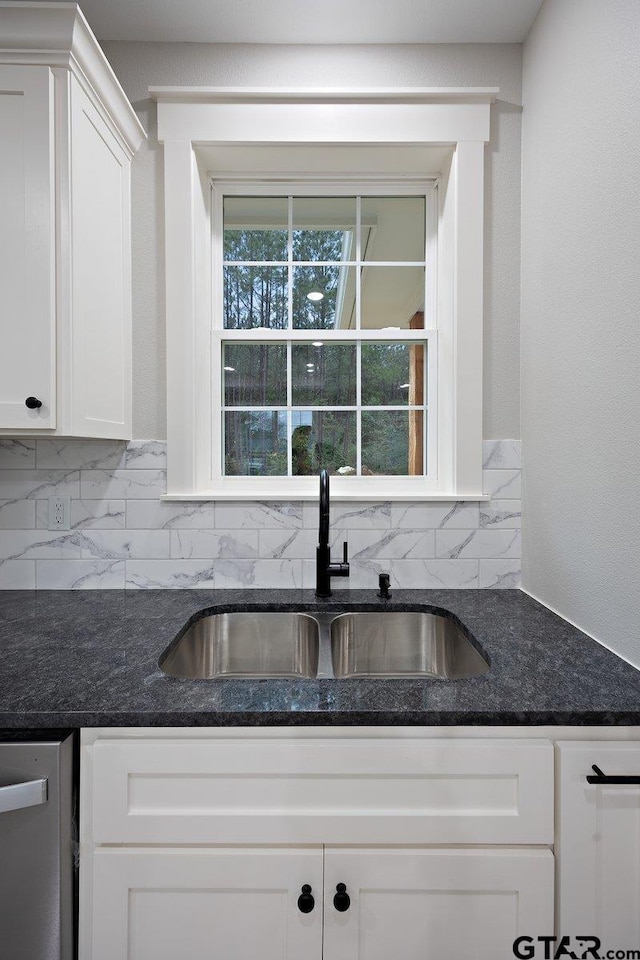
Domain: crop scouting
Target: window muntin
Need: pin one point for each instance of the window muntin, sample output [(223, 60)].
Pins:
[(341, 378)]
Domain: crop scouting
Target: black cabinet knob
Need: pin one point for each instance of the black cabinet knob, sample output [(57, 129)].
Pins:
[(33, 403), (342, 900), (306, 903)]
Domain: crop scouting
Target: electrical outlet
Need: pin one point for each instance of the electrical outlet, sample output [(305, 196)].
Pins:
[(59, 513)]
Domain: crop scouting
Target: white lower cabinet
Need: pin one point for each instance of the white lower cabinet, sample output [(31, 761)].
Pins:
[(197, 845), (599, 843), (434, 904), (233, 904), (378, 903)]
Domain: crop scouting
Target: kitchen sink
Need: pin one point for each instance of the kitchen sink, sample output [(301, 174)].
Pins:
[(245, 645), (402, 644), (324, 645)]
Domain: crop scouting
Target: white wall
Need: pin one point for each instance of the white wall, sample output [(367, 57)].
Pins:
[(581, 316), (140, 65)]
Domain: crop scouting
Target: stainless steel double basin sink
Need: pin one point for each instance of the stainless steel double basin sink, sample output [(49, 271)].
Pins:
[(296, 645)]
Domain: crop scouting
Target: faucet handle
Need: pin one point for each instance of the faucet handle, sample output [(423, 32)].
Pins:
[(345, 552)]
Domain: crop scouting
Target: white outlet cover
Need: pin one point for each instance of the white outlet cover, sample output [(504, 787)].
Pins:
[(59, 513)]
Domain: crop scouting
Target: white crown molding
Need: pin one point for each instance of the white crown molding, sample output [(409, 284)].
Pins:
[(57, 35), (324, 94), (417, 124), (276, 115)]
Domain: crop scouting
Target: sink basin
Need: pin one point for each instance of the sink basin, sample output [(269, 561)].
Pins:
[(245, 645), (301, 646), (402, 645)]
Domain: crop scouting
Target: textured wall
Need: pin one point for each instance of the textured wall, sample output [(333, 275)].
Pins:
[(580, 316), (140, 65)]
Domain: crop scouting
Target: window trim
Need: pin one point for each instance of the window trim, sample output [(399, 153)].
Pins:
[(189, 119)]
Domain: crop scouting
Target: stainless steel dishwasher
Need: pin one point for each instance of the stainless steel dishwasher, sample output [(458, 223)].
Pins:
[(37, 847)]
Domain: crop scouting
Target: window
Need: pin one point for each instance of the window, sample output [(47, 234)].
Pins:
[(324, 338), (340, 349)]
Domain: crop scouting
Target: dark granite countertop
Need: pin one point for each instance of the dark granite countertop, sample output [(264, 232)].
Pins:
[(81, 659)]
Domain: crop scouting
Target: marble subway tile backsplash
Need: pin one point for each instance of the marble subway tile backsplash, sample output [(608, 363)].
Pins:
[(123, 535)]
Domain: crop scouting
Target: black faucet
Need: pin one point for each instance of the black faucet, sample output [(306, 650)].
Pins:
[(324, 568)]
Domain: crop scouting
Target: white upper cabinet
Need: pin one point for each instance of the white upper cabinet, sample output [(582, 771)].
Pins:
[(27, 241), (68, 135)]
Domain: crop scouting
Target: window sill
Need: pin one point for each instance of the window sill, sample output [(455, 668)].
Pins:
[(364, 495)]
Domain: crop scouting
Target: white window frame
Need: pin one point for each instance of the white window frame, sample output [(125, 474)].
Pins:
[(190, 119), (272, 487)]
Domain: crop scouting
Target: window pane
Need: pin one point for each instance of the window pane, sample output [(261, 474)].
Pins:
[(323, 298), (392, 373), (255, 297), (324, 228), (255, 228), (393, 228), (323, 374), (255, 374), (255, 443), (323, 438), (392, 442), (392, 297)]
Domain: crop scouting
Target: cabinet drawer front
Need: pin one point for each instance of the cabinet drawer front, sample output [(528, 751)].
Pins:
[(313, 791)]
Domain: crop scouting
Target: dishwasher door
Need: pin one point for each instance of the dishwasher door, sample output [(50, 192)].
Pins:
[(37, 848)]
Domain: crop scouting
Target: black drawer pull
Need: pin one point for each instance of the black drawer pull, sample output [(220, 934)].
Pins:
[(602, 778)]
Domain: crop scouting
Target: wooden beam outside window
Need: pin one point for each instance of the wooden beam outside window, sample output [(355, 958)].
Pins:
[(416, 397)]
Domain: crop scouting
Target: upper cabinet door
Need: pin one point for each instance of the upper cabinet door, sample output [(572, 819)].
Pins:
[(599, 846), (27, 245), (100, 274), (430, 904)]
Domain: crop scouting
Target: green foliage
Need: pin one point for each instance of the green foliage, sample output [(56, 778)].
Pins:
[(316, 246), (257, 374), (385, 368), (254, 297), (324, 376), (262, 245), (329, 441), (255, 443), (385, 442)]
